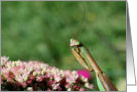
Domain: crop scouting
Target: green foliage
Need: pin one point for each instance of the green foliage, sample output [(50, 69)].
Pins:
[(41, 31)]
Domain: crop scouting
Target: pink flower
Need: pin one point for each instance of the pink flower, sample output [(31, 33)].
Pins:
[(39, 78), (49, 89), (85, 74), (24, 84), (34, 75), (29, 81), (91, 86), (81, 89)]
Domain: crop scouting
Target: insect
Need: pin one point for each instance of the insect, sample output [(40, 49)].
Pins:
[(83, 56)]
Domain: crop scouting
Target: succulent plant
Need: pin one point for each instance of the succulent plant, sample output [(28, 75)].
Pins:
[(38, 76)]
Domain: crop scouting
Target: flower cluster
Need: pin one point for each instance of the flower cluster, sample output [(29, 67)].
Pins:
[(38, 76)]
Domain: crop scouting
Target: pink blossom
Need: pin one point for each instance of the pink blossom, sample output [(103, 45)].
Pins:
[(36, 76), (91, 86), (81, 89), (24, 84), (85, 73)]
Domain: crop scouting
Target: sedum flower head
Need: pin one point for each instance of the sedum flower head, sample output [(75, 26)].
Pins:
[(38, 76)]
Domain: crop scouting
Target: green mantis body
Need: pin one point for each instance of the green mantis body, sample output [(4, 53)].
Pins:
[(86, 60)]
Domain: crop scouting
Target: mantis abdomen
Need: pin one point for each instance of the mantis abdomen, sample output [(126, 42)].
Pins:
[(105, 82)]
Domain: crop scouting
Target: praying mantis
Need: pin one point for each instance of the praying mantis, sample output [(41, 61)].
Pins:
[(83, 56)]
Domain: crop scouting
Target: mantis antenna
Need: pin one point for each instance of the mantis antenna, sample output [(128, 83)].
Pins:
[(75, 33)]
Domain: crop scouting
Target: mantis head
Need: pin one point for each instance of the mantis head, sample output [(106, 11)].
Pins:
[(74, 42)]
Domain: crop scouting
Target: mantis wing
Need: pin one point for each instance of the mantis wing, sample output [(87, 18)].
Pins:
[(100, 84)]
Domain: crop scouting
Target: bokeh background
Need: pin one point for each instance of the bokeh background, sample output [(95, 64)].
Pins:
[(41, 30)]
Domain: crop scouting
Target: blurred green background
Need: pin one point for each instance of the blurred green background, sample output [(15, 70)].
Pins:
[(41, 31)]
